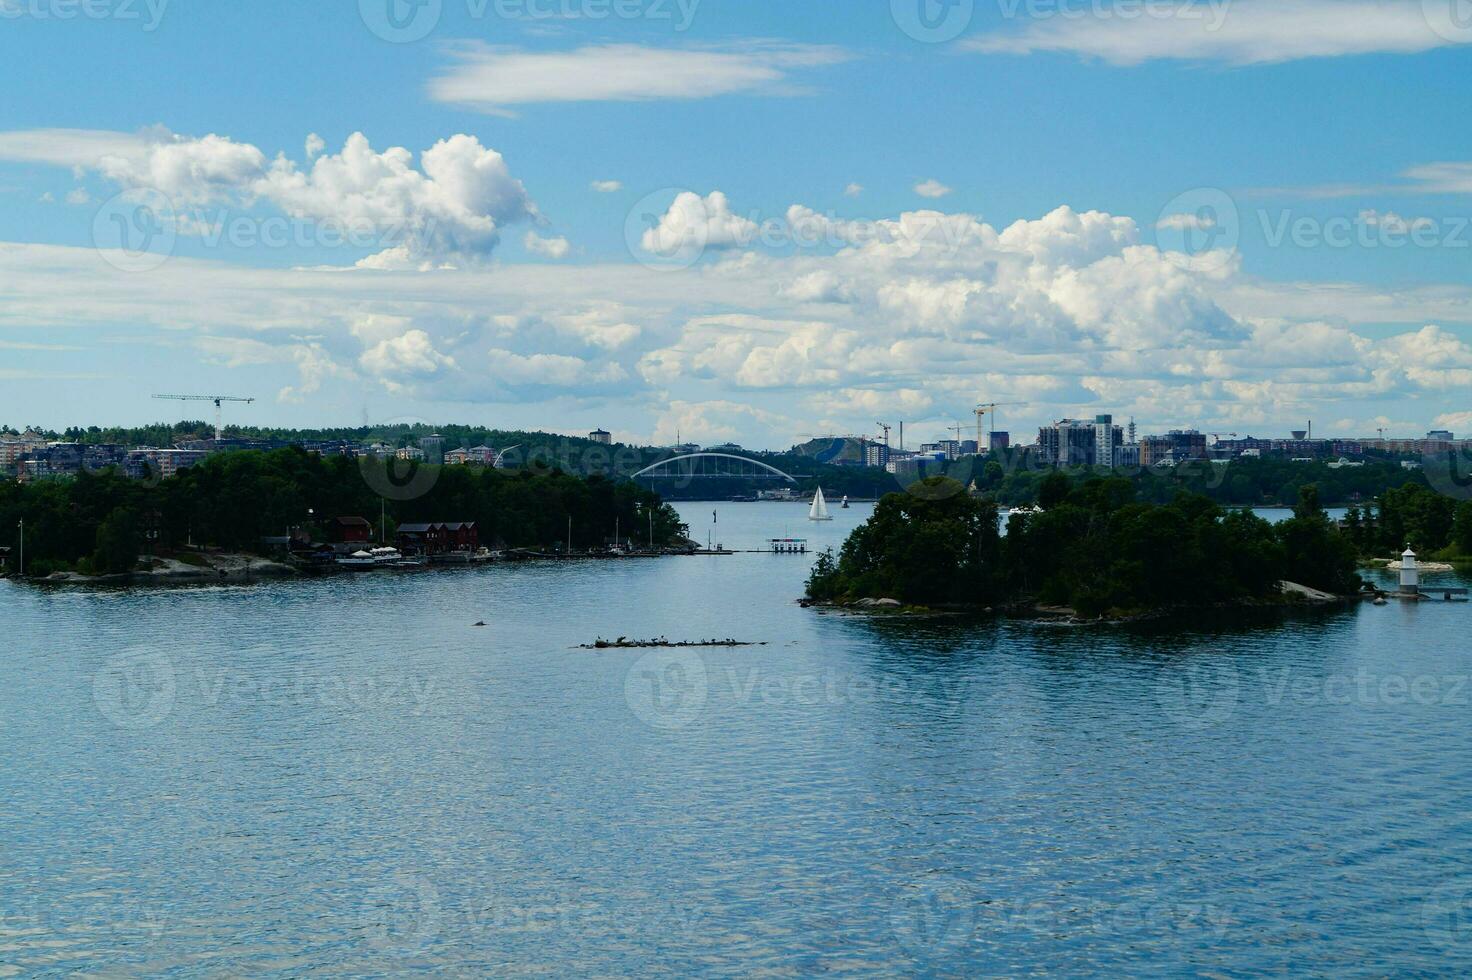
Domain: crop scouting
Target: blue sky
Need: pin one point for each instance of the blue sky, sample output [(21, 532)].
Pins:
[(1240, 215)]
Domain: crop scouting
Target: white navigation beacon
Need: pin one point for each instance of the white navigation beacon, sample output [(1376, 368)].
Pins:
[(1410, 572)]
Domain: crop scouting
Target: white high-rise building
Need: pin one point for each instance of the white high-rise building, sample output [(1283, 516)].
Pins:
[(1108, 438)]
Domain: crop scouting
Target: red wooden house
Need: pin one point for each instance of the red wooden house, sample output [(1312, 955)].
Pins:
[(438, 538), (349, 530)]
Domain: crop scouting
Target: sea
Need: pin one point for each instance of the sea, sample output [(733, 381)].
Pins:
[(432, 772)]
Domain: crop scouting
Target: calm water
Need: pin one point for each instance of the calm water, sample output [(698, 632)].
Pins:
[(345, 776)]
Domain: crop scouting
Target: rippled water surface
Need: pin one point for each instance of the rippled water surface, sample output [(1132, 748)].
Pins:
[(347, 776)]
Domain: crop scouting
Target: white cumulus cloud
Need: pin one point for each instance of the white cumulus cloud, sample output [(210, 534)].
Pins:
[(449, 208), (694, 223), (547, 248)]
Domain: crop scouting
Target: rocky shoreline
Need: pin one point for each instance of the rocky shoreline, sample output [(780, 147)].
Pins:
[(1293, 596), (213, 568)]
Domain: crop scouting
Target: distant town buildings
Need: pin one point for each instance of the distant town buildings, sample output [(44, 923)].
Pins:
[(1174, 447), (432, 448), (12, 448), (478, 456), (1068, 442), (946, 449), (1096, 442), (159, 464)]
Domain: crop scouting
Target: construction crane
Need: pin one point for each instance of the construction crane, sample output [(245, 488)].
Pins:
[(983, 410), (885, 428), (217, 399)]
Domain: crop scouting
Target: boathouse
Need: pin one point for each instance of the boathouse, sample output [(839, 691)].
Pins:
[(349, 530), (438, 538), (422, 539)]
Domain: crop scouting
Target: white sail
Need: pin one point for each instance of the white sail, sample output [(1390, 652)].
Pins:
[(819, 510)]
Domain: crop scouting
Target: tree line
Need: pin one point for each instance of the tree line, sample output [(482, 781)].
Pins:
[(1433, 524), (102, 522), (1096, 547)]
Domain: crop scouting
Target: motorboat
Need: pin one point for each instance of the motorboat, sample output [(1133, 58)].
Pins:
[(358, 560), (387, 556)]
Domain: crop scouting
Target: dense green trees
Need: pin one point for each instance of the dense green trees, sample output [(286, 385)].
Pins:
[(1096, 548), (1432, 523), (234, 500), (917, 547), (118, 540)]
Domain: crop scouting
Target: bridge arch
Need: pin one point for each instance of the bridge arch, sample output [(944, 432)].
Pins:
[(649, 470)]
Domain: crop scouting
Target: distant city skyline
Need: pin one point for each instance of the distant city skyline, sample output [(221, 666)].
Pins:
[(740, 222), (1125, 432)]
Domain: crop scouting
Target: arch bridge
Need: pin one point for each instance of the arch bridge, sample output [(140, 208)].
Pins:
[(712, 466)]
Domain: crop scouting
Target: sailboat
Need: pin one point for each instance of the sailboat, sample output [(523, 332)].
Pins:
[(819, 510), (845, 502)]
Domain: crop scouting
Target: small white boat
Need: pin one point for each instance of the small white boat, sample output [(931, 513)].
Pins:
[(845, 503), (819, 510), (386, 556), (358, 559)]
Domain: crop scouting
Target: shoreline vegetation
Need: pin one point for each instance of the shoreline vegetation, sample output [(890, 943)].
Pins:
[(1095, 552), (240, 515)]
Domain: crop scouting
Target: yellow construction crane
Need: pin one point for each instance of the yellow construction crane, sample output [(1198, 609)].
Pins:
[(983, 410), (217, 399)]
